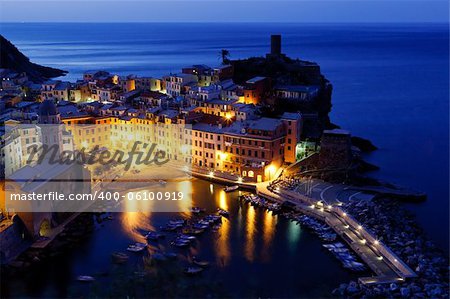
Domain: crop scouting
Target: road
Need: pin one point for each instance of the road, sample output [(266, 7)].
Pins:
[(329, 193), (350, 231)]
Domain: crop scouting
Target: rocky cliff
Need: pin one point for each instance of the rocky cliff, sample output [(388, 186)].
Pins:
[(12, 58)]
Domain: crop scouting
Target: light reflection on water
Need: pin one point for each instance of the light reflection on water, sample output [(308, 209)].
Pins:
[(223, 240), (249, 251), (269, 228), (139, 215), (293, 234)]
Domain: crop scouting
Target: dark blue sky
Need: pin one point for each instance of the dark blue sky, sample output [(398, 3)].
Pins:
[(223, 11)]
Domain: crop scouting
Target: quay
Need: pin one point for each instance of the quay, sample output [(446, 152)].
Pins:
[(386, 265)]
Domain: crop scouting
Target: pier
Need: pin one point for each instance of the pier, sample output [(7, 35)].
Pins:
[(386, 265)]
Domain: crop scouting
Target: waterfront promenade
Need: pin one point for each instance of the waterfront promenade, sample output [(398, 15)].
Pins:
[(378, 257)]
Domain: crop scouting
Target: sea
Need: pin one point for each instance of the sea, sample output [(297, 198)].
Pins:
[(390, 85)]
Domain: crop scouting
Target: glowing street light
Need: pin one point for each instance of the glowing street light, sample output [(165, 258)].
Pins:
[(239, 180), (211, 174), (271, 170)]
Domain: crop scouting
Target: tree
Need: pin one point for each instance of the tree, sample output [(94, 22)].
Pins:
[(224, 55)]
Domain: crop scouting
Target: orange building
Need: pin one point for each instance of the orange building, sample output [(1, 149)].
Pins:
[(255, 90)]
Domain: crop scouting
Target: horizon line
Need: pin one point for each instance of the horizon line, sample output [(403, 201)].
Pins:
[(227, 22)]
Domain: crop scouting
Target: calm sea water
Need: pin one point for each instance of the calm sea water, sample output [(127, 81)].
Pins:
[(391, 85), (253, 254)]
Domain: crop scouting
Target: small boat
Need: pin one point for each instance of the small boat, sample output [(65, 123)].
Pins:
[(197, 210), (162, 182), (85, 278), (154, 236), (231, 188), (223, 212), (199, 226), (180, 243), (137, 247), (177, 222), (204, 222), (186, 237), (119, 257), (193, 270), (202, 264), (213, 218), (192, 231)]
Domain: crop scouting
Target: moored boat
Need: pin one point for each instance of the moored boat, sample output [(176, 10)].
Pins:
[(85, 278), (199, 263), (193, 270), (136, 247), (231, 188), (223, 212)]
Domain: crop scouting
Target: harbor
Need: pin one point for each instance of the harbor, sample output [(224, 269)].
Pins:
[(381, 260), (244, 251)]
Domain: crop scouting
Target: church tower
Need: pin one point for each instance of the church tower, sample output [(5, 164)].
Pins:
[(50, 124)]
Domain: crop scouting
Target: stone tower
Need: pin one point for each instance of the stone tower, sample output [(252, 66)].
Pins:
[(275, 45), (50, 124)]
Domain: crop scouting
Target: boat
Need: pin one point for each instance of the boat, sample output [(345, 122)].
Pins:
[(180, 243), (193, 270), (186, 237), (162, 182), (202, 264), (223, 212), (177, 222), (213, 218), (119, 257), (136, 247), (197, 210), (199, 226), (154, 236), (192, 231), (85, 278), (204, 223), (231, 188)]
